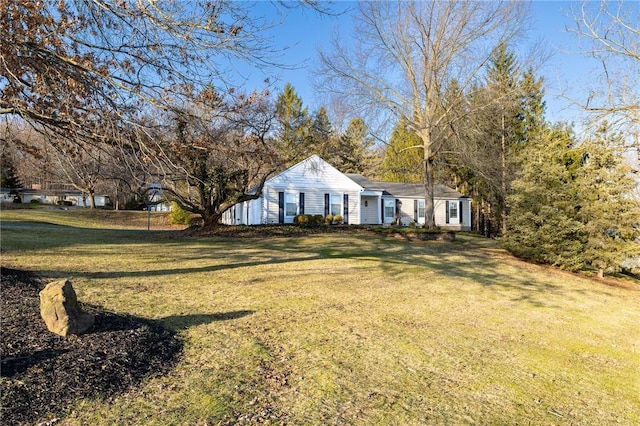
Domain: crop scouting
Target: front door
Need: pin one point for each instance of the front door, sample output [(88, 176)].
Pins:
[(454, 213)]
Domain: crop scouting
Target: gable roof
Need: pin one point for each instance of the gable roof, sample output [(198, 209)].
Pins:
[(405, 190), (313, 172)]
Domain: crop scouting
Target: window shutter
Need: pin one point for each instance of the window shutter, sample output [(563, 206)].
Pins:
[(326, 204), (301, 203), (460, 213), (446, 205), (345, 209), (415, 211), (280, 207)]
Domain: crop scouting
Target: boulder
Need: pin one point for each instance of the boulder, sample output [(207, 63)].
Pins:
[(60, 309)]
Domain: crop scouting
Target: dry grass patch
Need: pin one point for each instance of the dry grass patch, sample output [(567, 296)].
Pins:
[(355, 329)]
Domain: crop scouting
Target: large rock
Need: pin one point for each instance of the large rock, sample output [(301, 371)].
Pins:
[(60, 309)]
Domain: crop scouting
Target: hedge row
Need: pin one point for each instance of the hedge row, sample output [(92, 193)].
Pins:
[(317, 219)]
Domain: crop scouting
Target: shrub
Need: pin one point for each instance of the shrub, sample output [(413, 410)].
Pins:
[(35, 201), (328, 219), (337, 219), (133, 203), (318, 219), (412, 224), (303, 219), (179, 216)]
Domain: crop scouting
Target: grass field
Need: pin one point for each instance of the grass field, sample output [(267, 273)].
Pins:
[(347, 328)]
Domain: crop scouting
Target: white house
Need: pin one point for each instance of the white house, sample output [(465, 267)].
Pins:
[(315, 187), (312, 186), (57, 197)]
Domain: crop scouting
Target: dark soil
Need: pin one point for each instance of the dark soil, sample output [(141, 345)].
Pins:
[(272, 231), (43, 373)]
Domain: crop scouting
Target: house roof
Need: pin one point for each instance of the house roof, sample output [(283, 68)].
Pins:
[(313, 172), (404, 190)]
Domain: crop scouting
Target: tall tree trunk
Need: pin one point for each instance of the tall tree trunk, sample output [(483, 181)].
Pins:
[(429, 205), (503, 177), (92, 199), (210, 219)]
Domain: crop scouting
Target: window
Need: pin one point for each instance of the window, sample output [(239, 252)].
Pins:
[(453, 210), (336, 205), (420, 208), (389, 208), (290, 204)]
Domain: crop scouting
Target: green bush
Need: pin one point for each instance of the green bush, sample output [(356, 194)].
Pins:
[(179, 216), (133, 203), (318, 219), (303, 219), (328, 219), (35, 201)]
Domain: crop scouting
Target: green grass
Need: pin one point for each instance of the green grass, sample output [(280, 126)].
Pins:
[(88, 218), (350, 329)]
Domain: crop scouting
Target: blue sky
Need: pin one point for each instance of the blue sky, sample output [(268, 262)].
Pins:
[(304, 31)]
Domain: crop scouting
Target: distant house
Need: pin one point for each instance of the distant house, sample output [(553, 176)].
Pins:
[(7, 195), (315, 187), (156, 202), (61, 197)]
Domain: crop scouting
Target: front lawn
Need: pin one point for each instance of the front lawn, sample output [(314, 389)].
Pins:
[(348, 328)]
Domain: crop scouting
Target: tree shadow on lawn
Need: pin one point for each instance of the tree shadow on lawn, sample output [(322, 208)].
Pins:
[(182, 322), (470, 259)]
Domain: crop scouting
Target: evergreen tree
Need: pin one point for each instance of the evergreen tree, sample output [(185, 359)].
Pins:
[(293, 128), (354, 151), (573, 205), (611, 216), (8, 175), (403, 156), (542, 224), (531, 108), (322, 136), (494, 122)]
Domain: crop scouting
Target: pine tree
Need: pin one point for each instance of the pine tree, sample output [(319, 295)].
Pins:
[(496, 120), (354, 149), (8, 175), (542, 224), (611, 216), (403, 156), (322, 136), (573, 205), (294, 126)]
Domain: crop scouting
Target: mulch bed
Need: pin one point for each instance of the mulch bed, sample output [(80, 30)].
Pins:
[(42, 373), (272, 231)]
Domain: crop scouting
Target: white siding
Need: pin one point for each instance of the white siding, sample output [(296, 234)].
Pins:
[(313, 173), (371, 212), (406, 210), (314, 177), (440, 212)]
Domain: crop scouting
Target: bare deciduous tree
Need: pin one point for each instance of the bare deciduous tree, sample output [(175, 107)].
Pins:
[(610, 33), (408, 54), (220, 155)]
